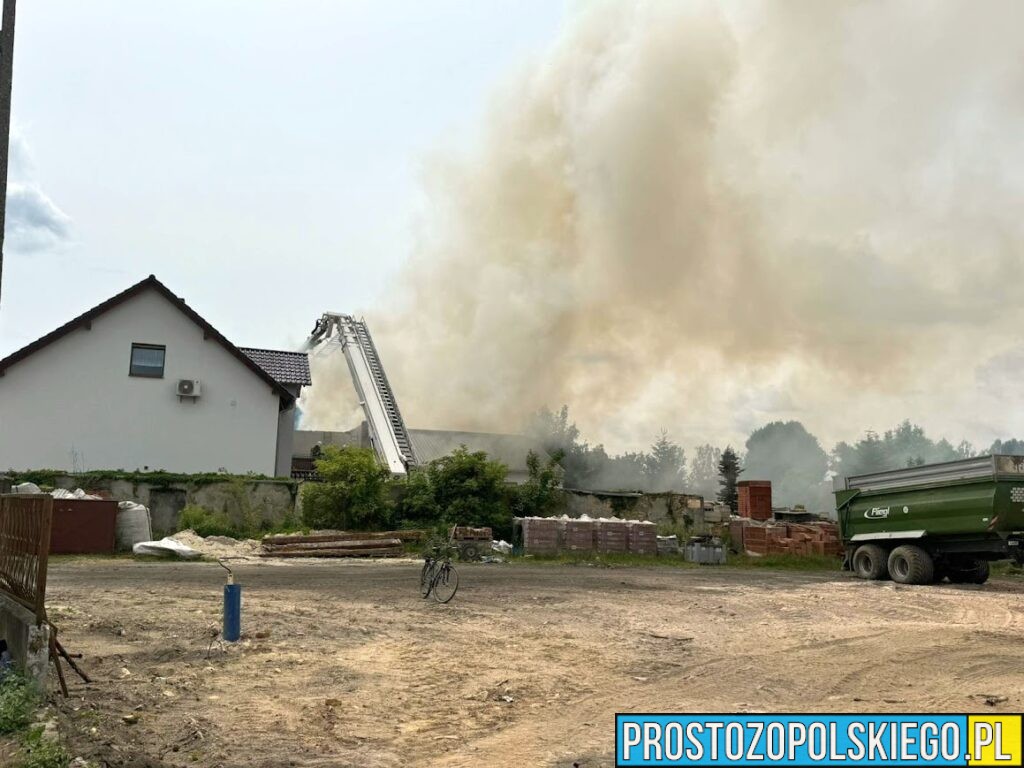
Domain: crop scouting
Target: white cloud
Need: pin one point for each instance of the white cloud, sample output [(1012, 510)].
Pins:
[(34, 222)]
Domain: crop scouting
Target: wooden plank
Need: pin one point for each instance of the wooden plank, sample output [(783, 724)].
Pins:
[(343, 544), (410, 535), (362, 552)]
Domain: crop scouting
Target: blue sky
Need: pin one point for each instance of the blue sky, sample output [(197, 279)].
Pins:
[(262, 158)]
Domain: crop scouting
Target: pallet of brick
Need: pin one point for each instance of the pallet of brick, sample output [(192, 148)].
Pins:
[(641, 538), (611, 536), (540, 536), (755, 540), (465, 533), (579, 535), (755, 499)]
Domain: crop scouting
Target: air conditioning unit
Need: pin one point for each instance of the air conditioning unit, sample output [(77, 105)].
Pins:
[(189, 388)]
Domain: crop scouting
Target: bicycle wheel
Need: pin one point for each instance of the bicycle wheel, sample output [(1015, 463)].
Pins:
[(427, 578), (446, 583)]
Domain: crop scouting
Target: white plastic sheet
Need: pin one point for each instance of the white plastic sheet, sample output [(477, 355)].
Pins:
[(78, 493), (164, 547)]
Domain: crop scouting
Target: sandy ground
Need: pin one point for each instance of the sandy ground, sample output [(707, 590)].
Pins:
[(344, 665)]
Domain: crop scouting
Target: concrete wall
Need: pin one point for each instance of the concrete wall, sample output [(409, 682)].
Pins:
[(29, 645), (285, 442), (72, 405), (263, 500)]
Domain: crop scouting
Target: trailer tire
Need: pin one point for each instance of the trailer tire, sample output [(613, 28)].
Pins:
[(976, 573), (869, 562), (911, 565)]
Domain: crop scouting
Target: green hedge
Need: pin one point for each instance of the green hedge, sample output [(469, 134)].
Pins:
[(158, 478)]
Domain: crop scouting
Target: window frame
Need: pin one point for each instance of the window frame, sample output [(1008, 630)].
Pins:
[(131, 361)]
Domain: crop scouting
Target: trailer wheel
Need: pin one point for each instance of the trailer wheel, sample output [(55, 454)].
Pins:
[(975, 573), (869, 562), (911, 565)]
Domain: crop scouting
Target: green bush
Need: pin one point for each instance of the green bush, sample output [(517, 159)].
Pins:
[(469, 489), (206, 522), (354, 493), (417, 506), (42, 753), (18, 700)]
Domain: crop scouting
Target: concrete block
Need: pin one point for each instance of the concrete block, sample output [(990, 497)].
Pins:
[(29, 644)]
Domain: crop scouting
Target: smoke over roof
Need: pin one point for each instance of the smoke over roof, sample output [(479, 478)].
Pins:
[(702, 219)]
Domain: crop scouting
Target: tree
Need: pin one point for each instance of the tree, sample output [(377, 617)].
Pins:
[(584, 467), (792, 459), (906, 445), (664, 468), (729, 471), (872, 455), (469, 489), (559, 436), (354, 492), (539, 496), (1012, 447), (703, 477)]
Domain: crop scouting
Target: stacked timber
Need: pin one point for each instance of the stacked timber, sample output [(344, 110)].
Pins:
[(338, 544)]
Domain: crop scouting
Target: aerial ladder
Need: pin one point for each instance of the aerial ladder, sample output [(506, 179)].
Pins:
[(388, 434)]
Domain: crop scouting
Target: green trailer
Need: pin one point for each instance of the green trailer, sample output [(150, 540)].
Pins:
[(922, 524)]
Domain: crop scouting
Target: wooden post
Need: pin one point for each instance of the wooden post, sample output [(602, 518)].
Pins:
[(6, 84), (43, 555)]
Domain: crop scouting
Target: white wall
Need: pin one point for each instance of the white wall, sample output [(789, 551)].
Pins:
[(73, 406)]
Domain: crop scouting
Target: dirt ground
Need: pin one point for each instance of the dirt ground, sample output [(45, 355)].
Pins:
[(342, 663)]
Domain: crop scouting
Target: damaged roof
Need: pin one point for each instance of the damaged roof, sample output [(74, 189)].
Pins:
[(284, 367)]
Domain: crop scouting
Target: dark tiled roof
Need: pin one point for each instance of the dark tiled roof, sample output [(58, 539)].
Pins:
[(85, 319), (284, 367)]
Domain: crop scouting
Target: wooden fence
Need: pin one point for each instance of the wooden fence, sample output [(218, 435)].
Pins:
[(25, 522)]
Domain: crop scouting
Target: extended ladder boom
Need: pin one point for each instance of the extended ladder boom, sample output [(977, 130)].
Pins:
[(388, 434)]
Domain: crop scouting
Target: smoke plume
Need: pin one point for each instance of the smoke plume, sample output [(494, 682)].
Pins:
[(702, 218)]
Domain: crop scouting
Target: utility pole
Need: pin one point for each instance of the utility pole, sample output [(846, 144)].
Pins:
[(6, 82)]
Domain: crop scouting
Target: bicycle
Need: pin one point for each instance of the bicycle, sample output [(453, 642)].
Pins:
[(438, 576)]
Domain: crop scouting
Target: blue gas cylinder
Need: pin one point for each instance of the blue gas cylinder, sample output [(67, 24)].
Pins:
[(232, 612)]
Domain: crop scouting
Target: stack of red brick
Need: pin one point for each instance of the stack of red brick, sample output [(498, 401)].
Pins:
[(548, 536), (642, 538), (755, 499), (579, 536), (541, 535), (611, 536), (787, 538)]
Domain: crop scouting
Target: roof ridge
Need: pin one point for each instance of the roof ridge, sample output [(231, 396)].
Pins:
[(275, 351)]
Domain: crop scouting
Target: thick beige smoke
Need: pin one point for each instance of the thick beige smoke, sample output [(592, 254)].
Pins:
[(699, 218)]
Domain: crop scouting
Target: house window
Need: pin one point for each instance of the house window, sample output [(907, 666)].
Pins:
[(147, 360)]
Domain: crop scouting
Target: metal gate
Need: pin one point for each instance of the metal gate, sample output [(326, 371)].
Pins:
[(25, 522)]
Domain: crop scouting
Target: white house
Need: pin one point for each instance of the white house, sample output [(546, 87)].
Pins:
[(142, 382)]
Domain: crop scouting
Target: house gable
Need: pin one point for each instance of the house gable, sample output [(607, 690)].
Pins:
[(72, 402), (85, 320)]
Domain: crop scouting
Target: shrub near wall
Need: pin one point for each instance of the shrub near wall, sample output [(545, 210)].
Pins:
[(354, 493)]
